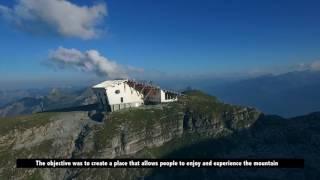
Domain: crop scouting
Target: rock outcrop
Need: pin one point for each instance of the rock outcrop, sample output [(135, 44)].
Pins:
[(46, 135), (132, 132)]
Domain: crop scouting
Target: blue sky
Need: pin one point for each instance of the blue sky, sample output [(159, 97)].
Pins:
[(174, 37)]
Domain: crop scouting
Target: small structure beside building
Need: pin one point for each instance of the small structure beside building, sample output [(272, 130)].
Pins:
[(114, 95)]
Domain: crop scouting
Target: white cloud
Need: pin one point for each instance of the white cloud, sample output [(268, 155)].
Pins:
[(90, 61), (59, 16), (313, 66)]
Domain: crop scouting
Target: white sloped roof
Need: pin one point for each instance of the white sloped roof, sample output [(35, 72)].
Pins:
[(109, 83)]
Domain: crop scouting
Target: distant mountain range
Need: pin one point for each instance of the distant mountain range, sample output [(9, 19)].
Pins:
[(55, 99), (8, 96), (288, 95)]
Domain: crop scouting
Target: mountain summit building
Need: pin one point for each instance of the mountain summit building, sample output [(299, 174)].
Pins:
[(114, 95)]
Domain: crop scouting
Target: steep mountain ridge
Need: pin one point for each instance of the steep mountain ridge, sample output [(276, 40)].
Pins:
[(169, 130)]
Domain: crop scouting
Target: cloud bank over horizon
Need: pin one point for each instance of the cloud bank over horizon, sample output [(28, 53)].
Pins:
[(58, 16), (90, 61), (312, 66)]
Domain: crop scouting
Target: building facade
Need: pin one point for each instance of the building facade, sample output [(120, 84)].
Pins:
[(114, 95)]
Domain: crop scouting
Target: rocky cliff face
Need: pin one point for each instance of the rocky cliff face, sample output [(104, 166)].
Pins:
[(196, 126), (268, 137), (138, 132), (130, 131), (44, 135)]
